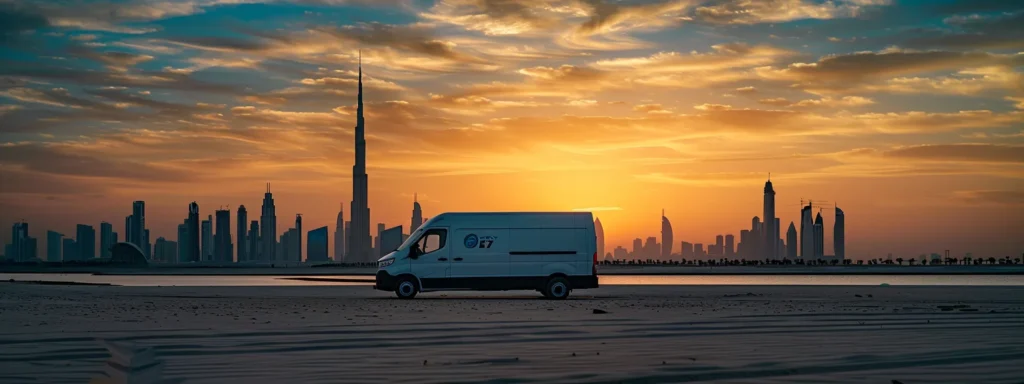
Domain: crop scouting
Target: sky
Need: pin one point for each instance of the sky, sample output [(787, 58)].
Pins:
[(908, 115)]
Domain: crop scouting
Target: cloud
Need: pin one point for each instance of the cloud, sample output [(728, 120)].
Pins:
[(746, 90), (965, 82), (498, 17), (1018, 101), (713, 107), (845, 101), (775, 101), (608, 25), (61, 159), (16, 20), (651, 108), (997, 197), (849, 70), (775, 11), (976, 31), (723, 56), (988, 153)]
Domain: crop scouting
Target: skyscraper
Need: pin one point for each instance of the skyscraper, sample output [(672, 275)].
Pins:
[(791, 246), (807, 232), (839, 235), (417, 215), (376, 240), (730, 249), (70, 249), (339, 235), (106, 239), (666, 237), (147, 247), (254, 241), (756, 238), (193, 247), (360, 242), (651, 248), (20, 247), (719, 245), (208, 246), (128, 229), (54, 241), (298, 238), (183, 241), (268, 227), (599, 231), (316, 241), (242, 244), (769, 233), (137, 225), (686, 250), (638, 248), (222, 250), (819, 237), (85, 236), (390, 239)]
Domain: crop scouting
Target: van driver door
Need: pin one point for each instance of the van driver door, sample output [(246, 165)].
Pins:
[(432, 265)]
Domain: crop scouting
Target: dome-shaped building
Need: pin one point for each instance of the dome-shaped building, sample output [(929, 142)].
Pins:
[(125, 253)]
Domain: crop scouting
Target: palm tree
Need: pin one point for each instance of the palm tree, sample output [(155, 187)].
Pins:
[(992, 260)]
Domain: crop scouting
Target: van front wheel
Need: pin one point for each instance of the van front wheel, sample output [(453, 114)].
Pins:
[(406, 288), (557, 288)]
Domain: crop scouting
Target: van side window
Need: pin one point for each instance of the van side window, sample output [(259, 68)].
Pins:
[(432, 240)]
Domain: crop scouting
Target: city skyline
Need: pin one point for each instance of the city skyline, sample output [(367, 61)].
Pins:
[(906, 113)]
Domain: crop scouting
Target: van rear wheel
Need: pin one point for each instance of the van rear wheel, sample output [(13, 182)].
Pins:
[(406, 288), (557, 288)]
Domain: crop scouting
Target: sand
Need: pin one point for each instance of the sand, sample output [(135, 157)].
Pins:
[(650, 334)]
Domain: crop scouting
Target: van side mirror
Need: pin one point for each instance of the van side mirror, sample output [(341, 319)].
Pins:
[(414, 252)]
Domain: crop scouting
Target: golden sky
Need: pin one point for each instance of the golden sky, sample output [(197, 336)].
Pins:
[(907, 114)]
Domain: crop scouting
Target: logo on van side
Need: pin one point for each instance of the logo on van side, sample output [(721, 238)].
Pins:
[(470, 241)]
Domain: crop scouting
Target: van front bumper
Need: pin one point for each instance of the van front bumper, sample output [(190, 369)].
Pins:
[(384, 281)]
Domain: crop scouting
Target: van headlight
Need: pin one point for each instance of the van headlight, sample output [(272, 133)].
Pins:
[(385, 263)]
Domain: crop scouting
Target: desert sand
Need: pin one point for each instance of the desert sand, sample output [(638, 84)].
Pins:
[(650, 334)]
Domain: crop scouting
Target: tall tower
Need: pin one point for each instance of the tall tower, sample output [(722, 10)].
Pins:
[(770, 233), (193, 233), (298, 238), (254, 241), (222, 238), (417, 215), (839, 234), (138, 224), (360, 243), (599, 231), (241, 243), (208, 246), (268, 227), (666, 237), (807, 232), (791, 242), (339, 235), (106, 239), (819, 237)]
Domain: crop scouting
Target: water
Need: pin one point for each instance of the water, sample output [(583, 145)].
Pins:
[(289, 280)]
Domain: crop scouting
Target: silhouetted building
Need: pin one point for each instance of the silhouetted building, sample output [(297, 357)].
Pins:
[(686, 250), (339, 235), (298, 238), (22, 246), (730, 248), (376, 241), (666, 237), (106, 239), (757, 238), (53, 246), (222, 250), (599, 233), (127, 254), (183, 255), (819, 237), (317, 244), (417, 215), (208, 246), (807, 232), (268, 227), (85, 236), (390, 239), (839, 235), (652, 250), (164, 251), (698, 251), (638, 248), (621, 253), (255, 241), (744, 248), (69, 248), (770, 234), (193, 247), (791, 244), (137, 224), (147, 248), (241, 242), (359, 242), (719, 245)]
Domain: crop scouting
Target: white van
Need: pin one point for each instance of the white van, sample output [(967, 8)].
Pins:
[(551, 252)]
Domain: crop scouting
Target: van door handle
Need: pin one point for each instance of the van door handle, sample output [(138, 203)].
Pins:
[(457, 259), (442, 259)]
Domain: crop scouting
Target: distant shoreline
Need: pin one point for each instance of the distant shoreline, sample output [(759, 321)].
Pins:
[(602, 270)]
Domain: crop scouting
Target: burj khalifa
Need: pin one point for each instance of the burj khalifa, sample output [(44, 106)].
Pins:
[(359, 243)]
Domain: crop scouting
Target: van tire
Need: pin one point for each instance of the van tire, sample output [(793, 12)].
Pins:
[(406, 288), (557, 288)]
